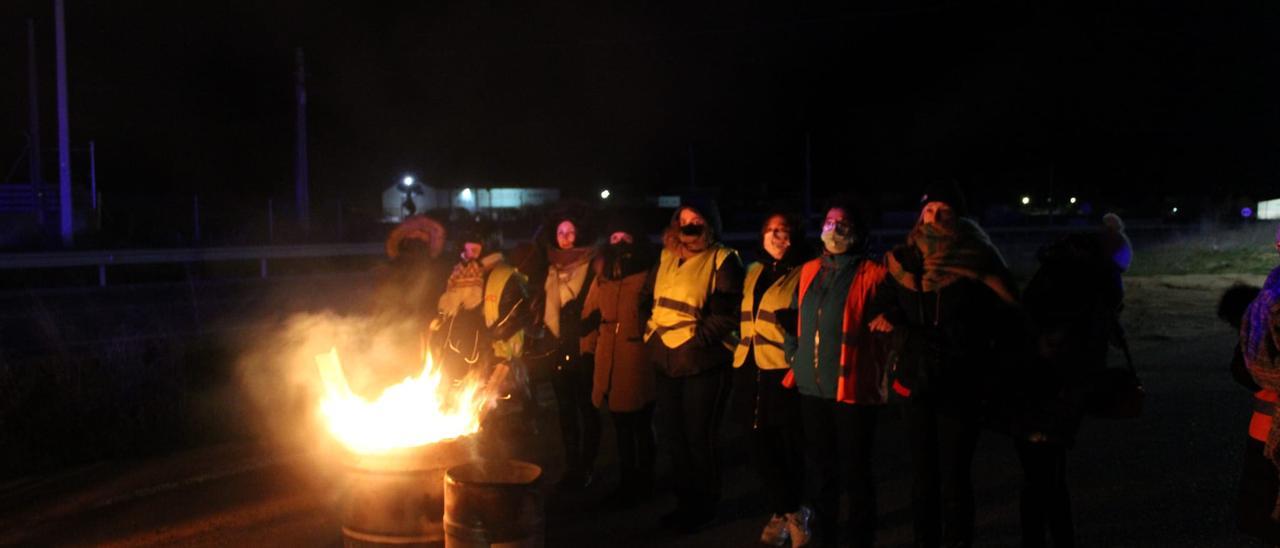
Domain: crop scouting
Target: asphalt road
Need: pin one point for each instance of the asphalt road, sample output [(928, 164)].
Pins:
[(1167, 479)]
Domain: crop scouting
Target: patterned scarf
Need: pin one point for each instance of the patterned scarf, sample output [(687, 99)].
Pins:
[(951, 252), (1259, 337), (465, 289)]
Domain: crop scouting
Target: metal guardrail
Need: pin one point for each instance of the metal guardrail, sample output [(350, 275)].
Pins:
[(103, 259)]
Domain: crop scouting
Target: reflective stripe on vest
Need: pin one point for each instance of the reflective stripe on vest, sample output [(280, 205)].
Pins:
[(763, 331), (679, 293), (1264, 405), (513, 346)]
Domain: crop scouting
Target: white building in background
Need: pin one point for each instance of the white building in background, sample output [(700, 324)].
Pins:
[(1269, 210), (473, 199)]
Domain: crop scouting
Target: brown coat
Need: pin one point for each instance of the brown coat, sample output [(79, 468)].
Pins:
[(624, 378)]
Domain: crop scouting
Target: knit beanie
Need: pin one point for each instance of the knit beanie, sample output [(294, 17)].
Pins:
[(948, 192)]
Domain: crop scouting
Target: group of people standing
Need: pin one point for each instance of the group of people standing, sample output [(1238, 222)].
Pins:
[(802, 347)]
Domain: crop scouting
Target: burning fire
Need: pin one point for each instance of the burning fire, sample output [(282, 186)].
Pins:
[(418, 411)]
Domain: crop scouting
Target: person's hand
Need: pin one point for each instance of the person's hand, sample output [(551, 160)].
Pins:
[(880, 325)]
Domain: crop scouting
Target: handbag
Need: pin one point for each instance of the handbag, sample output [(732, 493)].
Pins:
[(1114, 392)]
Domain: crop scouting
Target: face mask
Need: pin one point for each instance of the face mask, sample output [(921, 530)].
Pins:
[(834, 242), (692, 230), (617, 251), (617, 259)]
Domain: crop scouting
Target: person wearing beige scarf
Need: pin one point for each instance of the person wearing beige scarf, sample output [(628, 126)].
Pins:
[(565, 282), (569, 274)]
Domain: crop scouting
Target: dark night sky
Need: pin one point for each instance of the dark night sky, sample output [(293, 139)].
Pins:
[(1117, 100)]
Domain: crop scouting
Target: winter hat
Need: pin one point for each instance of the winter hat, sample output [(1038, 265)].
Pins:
[(1113, 222), (417, 229), (948, 192), (575, 212), (474, 231), (620, 222), (704, 206)]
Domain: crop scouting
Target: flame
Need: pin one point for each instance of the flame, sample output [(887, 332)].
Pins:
[(417, 411)]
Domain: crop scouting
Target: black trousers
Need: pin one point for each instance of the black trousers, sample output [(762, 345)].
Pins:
[(942, 447), (1045, 504), (579, 419), (689, 413), (1258, 487), (839, 439), (771, 416), (636, 448)]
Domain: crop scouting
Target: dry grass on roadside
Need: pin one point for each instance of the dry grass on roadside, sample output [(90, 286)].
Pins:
[(1239, 250)]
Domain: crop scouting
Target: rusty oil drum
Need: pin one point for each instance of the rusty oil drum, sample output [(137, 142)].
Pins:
[(397, 498), (494, 504)]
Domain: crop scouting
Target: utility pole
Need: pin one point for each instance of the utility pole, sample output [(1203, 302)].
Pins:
[(301, 191), (808, 177), (64, 134), (93, 177), (195, 218), (33, 100), (1051, 204), (693, 179)]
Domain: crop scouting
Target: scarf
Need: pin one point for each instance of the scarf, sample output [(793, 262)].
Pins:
[(1259, 337), (565, 277), (465, 288), (952, 252), (622, 260)]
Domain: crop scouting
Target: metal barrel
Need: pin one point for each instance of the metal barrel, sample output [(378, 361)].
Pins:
[(397, 498), (494, 504)]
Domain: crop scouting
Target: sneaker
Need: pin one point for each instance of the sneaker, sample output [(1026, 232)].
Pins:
[(798, 526), (775, 532)]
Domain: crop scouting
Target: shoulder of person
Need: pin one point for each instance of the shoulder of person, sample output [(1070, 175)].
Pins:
[(905, 256), (722, 253), (873, 266)]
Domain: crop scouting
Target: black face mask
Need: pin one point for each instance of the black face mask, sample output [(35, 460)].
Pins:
[(618, 259), (693, 230)]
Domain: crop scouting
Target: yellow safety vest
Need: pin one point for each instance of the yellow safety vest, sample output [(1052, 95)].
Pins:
[(513, 346), (763, 330), (679, 293)]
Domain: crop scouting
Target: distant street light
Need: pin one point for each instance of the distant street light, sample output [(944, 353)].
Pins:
[(466, 194), (1175, 210), (1026, 200), (604, 194), (1072, 200), (407, 181)]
